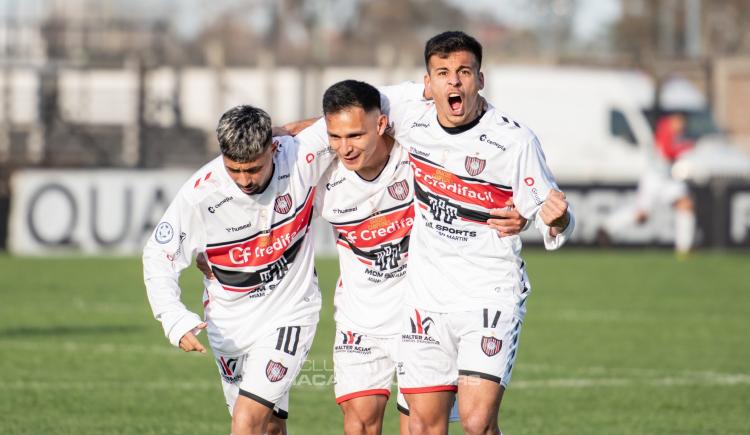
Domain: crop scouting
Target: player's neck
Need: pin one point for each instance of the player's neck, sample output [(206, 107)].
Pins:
[(379, 159), (450, 128)]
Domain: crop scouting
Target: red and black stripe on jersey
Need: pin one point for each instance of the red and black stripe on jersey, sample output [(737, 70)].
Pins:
[(386, 231), (448, 195), (269, 252)]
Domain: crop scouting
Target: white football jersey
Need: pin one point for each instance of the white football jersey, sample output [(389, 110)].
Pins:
[(457, 261), (258, 246), (371, 222)]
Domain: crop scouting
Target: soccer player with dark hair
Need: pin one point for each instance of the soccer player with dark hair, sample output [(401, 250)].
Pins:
[(467, 286), (368, 200), (249, 210)]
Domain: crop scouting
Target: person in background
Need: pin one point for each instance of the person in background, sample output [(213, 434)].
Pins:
[(657, 188)]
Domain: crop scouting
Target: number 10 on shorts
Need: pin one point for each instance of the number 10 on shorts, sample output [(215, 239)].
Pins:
[(288, 339)]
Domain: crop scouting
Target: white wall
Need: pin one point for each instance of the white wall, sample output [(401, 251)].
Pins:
[(23, 95)]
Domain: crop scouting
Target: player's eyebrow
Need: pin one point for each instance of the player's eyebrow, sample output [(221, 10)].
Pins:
[(459, 68), (250, 169), (348, 134)]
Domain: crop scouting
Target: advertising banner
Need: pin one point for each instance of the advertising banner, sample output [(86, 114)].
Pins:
[(112, 212)]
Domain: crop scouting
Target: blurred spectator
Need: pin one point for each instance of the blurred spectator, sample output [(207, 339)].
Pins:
[(657, 189), (670, 137)]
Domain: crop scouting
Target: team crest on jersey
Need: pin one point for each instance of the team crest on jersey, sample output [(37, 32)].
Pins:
[(275, 371), (491, 346), (399, 190), (229, 368), (283, 204), (474, 165)]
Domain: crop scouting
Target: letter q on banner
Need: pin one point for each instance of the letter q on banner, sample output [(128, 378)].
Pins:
[(91, 212)]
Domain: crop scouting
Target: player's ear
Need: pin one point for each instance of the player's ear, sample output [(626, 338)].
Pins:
[(427, 93), (382, 123), (481, 80)]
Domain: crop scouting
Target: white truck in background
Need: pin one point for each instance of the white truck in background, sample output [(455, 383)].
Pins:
[(596, 128)]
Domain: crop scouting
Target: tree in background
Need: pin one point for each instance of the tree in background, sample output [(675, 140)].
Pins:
[(682, 29)]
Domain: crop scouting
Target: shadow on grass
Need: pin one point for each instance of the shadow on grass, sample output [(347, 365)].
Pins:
[(65, 330)]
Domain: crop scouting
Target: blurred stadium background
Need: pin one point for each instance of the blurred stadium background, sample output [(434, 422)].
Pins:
[(107, 106)]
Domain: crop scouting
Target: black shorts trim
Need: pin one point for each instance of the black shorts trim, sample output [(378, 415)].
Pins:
[(480, 375), (402, 410), (280, 413)]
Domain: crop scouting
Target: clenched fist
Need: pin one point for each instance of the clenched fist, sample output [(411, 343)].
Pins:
[(554, 212)]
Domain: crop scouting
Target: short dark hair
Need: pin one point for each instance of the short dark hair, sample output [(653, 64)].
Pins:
[(244, 132), (350, 93), (450, 42)]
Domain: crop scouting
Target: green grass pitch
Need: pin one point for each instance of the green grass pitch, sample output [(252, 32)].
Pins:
[(615, 342)]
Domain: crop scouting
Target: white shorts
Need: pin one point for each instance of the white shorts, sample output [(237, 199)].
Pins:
[(266, 373), (364, 365), (436, 348)]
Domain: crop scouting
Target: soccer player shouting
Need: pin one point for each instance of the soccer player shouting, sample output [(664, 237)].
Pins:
[(368, 197), (467, 286), (249, 210)]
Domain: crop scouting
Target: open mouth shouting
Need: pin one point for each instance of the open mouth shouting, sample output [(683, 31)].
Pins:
[(456, 104)]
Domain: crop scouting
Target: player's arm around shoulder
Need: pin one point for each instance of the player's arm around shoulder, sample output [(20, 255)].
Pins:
[(400, 102), (170, 249), (310, 152), (401, 93)]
